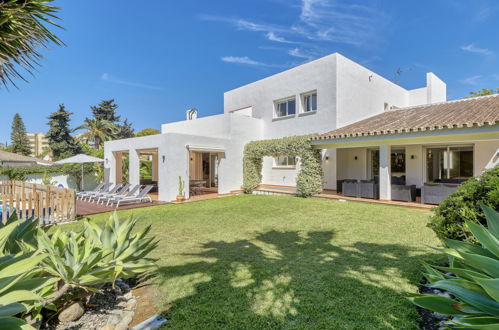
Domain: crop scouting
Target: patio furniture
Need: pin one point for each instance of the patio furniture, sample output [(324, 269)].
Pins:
[(369, 189), (339, 186), (111, 192), (435, 193), (105, 188), (121, 191), (99, 188), (405, 193), (196, 187), (141, 197), (131, 192), (350, 188)]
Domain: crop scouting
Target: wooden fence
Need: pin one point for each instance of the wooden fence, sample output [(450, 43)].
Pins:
[(48, 204)]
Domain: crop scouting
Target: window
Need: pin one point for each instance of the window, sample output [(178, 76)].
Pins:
[(451, 164), (285, 108), (310, 102), (285, 161)]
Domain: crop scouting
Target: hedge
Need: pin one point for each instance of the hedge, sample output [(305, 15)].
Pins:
[(464, 204), (309, 180), (21, 172)]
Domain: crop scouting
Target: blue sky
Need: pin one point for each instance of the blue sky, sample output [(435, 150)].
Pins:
[(159, 58)]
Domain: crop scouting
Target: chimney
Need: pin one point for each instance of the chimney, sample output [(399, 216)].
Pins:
[(192, 114)]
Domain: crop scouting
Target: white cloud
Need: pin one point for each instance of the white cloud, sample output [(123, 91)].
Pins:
[(296, 52), (112, 79), (335, 21), (241, 60), (274, 37), (473, 49), (473, 80)]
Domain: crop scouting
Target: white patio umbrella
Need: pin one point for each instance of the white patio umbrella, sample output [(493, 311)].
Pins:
[(80, 159)]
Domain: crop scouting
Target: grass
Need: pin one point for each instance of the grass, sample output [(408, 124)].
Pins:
[(286, 262)]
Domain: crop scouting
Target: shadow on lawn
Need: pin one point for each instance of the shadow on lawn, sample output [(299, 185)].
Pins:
[(295, 280)]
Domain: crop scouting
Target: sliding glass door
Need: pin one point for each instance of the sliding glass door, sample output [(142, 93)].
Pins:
[(451, 164)]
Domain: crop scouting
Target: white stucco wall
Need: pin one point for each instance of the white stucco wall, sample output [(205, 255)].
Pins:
[(361, 93), (319, 75), (350, 168), (230, 132), (414, 166), (437, 89), (346, 92), (486, 155)]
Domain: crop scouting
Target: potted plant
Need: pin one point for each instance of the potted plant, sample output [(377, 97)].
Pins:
[(181, 186)]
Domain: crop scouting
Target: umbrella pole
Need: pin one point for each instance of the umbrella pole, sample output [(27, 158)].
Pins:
[(81, 183)]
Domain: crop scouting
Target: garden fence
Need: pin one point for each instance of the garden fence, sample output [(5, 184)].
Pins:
[(47, 204)]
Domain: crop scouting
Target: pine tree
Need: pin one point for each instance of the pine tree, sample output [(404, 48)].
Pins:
[(60, 140), (125, 130), (106, 110), (19, 140)]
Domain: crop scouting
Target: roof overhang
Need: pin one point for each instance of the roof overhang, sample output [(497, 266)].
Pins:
[(424, 137), (205, 148)]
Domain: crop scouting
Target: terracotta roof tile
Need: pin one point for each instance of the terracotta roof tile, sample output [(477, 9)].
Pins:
[(477, 111)]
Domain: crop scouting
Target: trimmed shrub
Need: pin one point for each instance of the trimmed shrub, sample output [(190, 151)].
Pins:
[(309, 180), (448, 221)]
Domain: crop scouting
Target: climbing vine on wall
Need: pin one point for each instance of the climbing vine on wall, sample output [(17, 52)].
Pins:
[(309, 180)]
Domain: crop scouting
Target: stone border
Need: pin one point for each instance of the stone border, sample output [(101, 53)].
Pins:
[(121, 316)]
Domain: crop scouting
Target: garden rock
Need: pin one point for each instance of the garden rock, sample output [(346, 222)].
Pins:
[(72, 313)]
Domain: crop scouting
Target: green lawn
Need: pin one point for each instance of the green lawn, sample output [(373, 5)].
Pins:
[(286, 262)]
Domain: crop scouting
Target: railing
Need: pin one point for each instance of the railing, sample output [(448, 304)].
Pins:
[(48, 204)]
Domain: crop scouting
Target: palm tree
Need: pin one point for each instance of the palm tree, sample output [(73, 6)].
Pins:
[(23, 33), (98, 131)]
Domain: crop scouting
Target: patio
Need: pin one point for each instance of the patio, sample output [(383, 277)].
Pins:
[(84, 208), (334, 195)]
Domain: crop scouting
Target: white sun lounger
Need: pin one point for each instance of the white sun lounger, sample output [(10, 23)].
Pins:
[(119, 192), (131, 192), (112, 191), (141, 197), (96, 189), (105, 188)]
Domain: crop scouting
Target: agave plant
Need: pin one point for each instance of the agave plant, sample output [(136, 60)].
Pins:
[(472, 278), (22, 289), (23, 234), (74, 261), (124, 251)]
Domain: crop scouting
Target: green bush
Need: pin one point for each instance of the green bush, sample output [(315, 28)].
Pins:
[(22, 286), (309, 180), (42, 270), (448, 221), (20, 173), (472, 279)]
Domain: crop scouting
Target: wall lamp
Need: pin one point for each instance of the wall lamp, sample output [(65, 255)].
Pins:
[(107, 160), (355, 157), (163, 157), (413, 156), (327, 157)]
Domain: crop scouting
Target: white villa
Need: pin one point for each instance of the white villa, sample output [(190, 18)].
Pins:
[(370, 129)]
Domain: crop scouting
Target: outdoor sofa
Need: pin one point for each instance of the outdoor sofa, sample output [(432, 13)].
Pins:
[(405, 193), (435, 193)]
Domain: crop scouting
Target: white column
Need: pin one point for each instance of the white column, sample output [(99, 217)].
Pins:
[(385, 189), (133, 167), (329, 165)]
